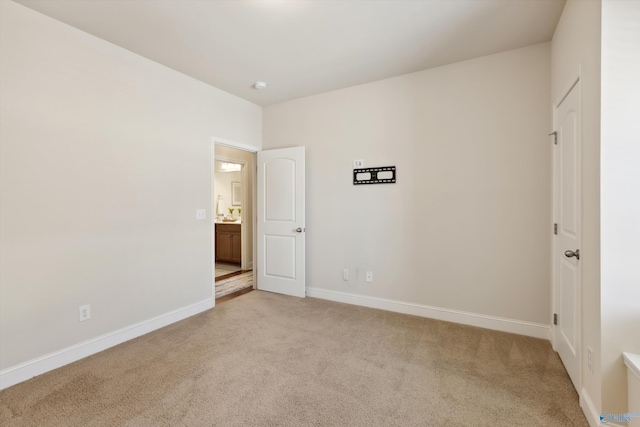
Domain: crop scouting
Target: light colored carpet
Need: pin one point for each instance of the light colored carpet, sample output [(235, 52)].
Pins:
[(264, 359), (234, 284)]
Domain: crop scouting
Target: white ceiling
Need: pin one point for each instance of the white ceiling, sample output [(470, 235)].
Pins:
[(303, 47)]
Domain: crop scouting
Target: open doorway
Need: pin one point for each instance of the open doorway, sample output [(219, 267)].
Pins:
[(233, 177)]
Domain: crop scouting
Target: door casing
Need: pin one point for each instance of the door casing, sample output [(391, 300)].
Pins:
[(245, 202)]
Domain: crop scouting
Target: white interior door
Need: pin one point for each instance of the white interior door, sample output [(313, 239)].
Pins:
[(281, 221), (568, 217)]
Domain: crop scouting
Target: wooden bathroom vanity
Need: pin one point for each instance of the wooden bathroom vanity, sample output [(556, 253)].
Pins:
[(229, 242)]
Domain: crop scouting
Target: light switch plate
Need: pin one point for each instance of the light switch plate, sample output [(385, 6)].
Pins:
[(357, 164), (201, 214)]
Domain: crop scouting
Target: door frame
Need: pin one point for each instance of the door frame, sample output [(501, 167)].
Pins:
[(575, 82), (243, 179), (245, 202)]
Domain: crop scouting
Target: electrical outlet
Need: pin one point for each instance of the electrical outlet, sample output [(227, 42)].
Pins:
[(590, 359), (84, 312), (345, 274), (369, 276), (358, 164)]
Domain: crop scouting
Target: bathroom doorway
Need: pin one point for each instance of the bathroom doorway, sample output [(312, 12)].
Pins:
[(233, 176)]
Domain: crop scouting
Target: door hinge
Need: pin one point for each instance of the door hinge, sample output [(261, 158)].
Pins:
[(555, 229), (555, 137), (555, 319)]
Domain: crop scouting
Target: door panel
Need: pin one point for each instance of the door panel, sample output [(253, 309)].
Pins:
[(279, 185), (280, 221), (568, 215), (568, 304), (279, 251), (568, 162)]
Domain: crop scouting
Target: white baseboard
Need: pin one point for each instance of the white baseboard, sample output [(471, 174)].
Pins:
[(49, 362), (591, 412), (589, 409), (530, 329)]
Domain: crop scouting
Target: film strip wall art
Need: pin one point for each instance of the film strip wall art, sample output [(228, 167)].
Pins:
[(381, 175)]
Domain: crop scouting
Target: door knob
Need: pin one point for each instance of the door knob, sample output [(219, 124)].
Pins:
[(299, 230), (570, 254)]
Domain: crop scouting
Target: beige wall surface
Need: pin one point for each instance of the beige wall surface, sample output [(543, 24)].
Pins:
[(576, 46), (467, 226), (105, 159), (620, 194)]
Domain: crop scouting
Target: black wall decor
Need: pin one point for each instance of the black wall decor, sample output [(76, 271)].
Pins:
[(381, 175)]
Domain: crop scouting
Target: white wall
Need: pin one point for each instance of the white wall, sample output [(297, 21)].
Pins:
[(467, 226), (620, 193), (105, 158), (575, 46)]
